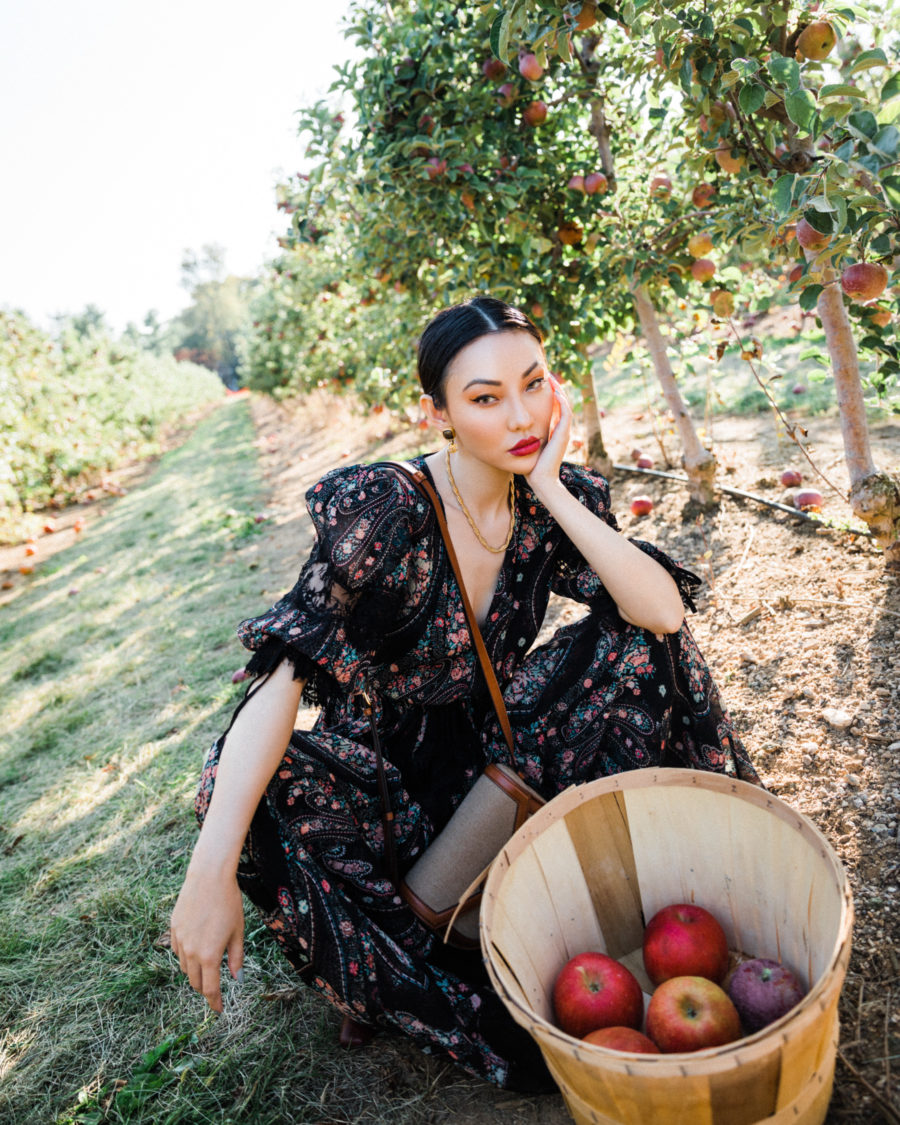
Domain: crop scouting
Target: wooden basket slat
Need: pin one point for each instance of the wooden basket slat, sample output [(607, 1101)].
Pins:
[(602, 842), (746, 1094), (620, 1103), (802, 1053), (565, 880)]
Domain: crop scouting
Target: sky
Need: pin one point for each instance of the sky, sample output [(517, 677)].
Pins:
[(131, 132)]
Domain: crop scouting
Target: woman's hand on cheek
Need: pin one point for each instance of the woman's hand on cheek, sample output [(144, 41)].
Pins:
[(546, 468)]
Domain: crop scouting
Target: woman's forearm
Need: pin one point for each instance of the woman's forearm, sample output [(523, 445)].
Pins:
[(645, 593), (250, 755)]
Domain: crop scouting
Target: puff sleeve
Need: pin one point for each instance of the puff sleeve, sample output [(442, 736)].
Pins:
[(351, 595), (574, 578)]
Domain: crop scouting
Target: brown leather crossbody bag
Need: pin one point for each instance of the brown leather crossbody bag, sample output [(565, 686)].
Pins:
[(443, 888)]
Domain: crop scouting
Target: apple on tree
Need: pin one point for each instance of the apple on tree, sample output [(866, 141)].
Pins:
[(576, 183), (535, 114), (689, 1013), (592, 990), (699, 245), (702, 195), (595, 183), (684, 940), (810, 238), (864, 281), (529, 67), (703, 269), (816, 41)]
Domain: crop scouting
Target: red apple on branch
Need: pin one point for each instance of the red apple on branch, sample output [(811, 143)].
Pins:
[(699, 245), (595, 183), (492, 68), (729, 161), (592, 991), (702, 195), (576, 183), (690, 1013), (810, 238), (661, 186), (535, 114), (684, 940), (570, 233), (529, 67), (703, 269), (864, 281), (816, 41)]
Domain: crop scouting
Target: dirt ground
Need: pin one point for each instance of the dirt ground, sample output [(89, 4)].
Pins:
[(801, 627)]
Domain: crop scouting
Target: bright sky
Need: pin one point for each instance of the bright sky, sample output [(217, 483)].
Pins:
[(133, 131)]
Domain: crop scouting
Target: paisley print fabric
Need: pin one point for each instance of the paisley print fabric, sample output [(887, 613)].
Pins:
[(377, 603)]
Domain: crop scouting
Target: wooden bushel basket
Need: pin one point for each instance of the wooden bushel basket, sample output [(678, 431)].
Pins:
[(588, 869)]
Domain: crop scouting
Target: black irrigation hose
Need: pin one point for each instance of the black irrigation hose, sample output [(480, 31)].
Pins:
[(746, 496)]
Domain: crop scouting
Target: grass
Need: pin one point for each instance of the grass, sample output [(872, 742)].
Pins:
[(115, 665)]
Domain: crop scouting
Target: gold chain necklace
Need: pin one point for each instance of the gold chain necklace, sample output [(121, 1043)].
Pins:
[(465, 511)]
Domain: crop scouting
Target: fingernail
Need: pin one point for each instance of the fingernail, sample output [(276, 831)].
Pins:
[(239, 976)]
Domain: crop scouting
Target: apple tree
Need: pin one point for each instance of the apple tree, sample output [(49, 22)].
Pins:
[(799, 114)]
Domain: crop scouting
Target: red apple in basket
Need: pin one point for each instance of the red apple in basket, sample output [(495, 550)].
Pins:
[(690, 1013), (684, 940), (622, 1039), (594, 991), (763, 991)]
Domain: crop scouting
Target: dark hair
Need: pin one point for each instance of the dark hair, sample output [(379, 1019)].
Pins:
[(449, 332)]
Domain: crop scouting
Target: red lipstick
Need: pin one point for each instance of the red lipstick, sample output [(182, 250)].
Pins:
[(526, 446)]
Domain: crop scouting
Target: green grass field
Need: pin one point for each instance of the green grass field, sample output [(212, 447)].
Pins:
[(111, 696)]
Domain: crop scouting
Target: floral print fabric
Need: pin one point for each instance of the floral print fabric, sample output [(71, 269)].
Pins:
[(377, 604)]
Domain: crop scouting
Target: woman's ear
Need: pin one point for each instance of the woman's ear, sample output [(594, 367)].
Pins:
[(431, 412)]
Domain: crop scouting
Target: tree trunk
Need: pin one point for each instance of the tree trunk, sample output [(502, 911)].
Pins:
[(699, 463), (874, 496), (596, 456)]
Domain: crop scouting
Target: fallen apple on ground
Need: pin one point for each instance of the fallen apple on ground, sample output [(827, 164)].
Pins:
[(592, 991), (622, 1039), (684, 940), (763, 991), (790, 478), (690, 1013), (808, 500), (644, 462), (641, 506)]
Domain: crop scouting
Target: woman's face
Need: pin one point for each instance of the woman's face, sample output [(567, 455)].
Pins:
[(499, 400)]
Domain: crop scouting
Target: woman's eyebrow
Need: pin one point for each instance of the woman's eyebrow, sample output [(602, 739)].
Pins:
[(496, 382)]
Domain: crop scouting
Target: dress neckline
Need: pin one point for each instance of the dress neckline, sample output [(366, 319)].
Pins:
[(501, 583)]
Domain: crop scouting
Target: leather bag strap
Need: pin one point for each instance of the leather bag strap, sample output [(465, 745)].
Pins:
[(424, 485)]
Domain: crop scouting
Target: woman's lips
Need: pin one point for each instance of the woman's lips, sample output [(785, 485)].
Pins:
[(524, 448)]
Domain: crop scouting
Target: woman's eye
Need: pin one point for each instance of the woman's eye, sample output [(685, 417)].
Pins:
[(538, 382), (483, 398)]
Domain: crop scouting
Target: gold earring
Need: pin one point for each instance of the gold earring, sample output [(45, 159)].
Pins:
[(450, 435)]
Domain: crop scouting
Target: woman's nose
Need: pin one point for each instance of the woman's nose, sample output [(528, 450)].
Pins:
[(520, 415)]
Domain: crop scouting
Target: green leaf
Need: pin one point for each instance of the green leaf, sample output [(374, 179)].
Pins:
[(868, 59), (821, 203), (496, 35), (730, 78), (819, 220), (707, 28), (839, 89), (782, 193), (745, 67), (809, 298), (784, 70), (801, 107), (888, 141), (752, 97), (865, 123), (891, 88), (686, 75), (891, 187), (778, 16)]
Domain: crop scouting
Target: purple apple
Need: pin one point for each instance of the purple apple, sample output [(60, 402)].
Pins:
[(763, 991)]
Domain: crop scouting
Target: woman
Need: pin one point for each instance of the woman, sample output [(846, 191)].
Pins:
[(299, 829)]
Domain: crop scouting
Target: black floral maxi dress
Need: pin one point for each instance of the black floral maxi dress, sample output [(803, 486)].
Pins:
[(601, 696)]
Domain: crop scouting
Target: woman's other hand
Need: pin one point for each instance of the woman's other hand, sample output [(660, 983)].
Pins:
[(546, 468), (207, 921)]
